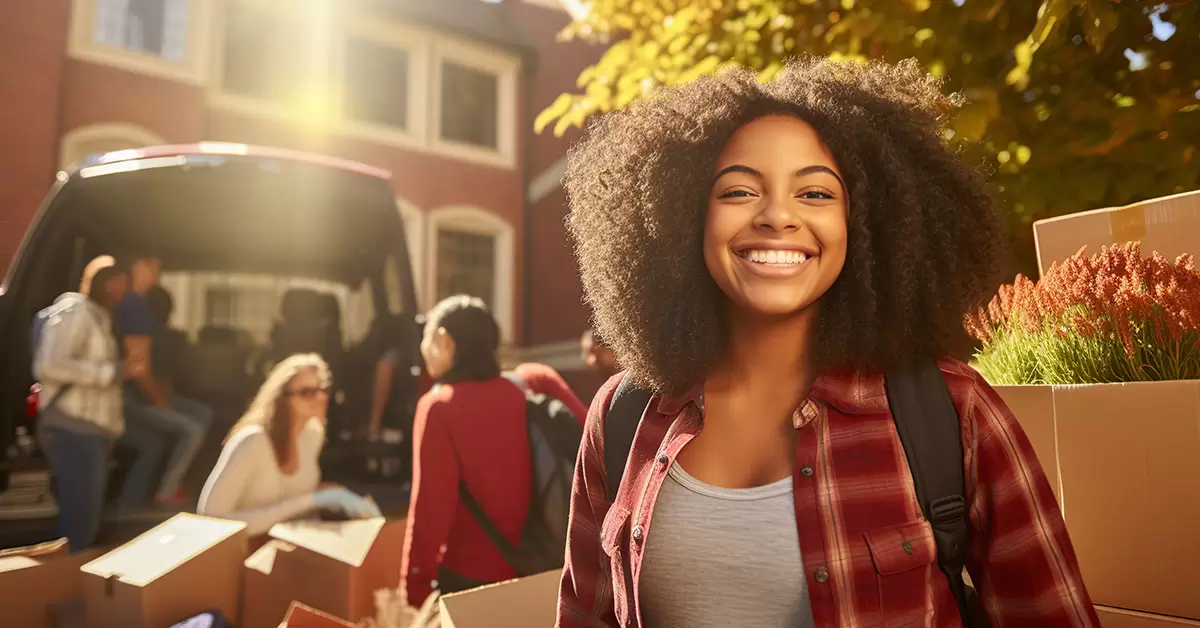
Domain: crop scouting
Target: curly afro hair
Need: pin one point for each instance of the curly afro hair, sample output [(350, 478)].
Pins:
[(925, 244)]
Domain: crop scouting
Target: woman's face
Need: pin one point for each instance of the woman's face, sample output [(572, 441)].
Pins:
[(437, 348), (775, 234), (308, 395)]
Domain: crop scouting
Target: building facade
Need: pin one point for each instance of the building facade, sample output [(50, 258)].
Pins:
[(441, 93)]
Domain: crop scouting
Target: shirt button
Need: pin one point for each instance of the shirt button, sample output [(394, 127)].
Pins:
[(821, 576), (663, 459), (637, 533), (907, 547), (806, 471)]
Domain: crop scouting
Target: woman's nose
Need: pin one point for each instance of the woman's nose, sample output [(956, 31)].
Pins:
[(778, 215)]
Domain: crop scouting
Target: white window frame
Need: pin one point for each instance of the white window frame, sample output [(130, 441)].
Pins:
[(417, 44), (471, 219), (506, 67), (318, 24), (193, 69), (415, 235), (71, 147)]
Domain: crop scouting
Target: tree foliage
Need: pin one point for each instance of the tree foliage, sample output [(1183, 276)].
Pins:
[(1073, 104)]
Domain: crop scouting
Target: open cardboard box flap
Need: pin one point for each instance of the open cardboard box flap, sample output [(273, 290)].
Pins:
[(344, 541), (523, 603), (34, 579), (335, 566), (1169, 225), (302, 616)]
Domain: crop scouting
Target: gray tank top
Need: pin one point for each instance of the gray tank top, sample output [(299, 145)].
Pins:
[(718, 557)]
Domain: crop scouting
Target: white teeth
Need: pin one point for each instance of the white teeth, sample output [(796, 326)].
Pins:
[(775, 257)]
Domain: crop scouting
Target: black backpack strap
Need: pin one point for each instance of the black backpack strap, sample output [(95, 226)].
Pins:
[(928, 425), (625, 411), (493, 533)]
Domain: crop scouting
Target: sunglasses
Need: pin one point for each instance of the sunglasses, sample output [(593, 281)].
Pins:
[(308, 392)]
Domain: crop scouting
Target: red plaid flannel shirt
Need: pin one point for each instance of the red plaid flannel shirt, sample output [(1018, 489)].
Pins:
[(855, 509)]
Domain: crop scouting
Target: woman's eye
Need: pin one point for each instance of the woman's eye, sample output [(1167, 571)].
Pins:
[(815, 195), (737, 194)]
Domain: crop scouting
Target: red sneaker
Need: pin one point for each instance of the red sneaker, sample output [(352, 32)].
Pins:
[(179, 498)]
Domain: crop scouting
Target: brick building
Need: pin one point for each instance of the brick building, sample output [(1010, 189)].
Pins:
[(441, 92)]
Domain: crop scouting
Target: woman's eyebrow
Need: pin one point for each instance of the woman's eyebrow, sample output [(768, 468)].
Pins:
[(815, 169), (737, 168)]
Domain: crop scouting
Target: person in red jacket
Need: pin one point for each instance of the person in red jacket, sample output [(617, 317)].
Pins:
[(469, 429), (543, 379)]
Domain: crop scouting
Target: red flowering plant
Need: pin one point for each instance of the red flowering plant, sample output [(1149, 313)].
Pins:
[(1115, 316)]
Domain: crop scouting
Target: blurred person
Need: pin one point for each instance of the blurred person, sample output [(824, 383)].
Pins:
[(542, 379), (269, 468), (167, 344), (78, 364), (597, 356), (148, 406), (815, 235), (469, 429)]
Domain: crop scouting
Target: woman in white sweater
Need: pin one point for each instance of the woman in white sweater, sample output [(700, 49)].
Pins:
[(269, 469)]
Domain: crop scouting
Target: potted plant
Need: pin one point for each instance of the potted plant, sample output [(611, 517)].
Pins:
[(1100, 362)]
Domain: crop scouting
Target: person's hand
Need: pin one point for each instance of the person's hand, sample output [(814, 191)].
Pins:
[(350, 503)]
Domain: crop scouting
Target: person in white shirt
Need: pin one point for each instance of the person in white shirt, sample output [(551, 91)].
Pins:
[(269, 469), (79, 368)]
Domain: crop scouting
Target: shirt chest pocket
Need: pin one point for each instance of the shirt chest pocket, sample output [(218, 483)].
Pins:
[(613, 537), (905, 559)]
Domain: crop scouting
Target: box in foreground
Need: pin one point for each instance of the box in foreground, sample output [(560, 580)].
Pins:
[(332, 566), (183, 567), (524, 603)]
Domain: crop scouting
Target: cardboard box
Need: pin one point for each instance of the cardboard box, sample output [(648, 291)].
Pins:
[(34, 579), (1117, 618), (1169, 225), (1128, 457), (185, 566), (333, 566), (524, 603), (301, 616)]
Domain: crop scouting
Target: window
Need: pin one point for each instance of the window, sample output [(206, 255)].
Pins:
[(474, 102), (166, 38), (466, 265), (220, 306), (471, 251), (469, 105), (157, 27), (375, 88), (260, 56)]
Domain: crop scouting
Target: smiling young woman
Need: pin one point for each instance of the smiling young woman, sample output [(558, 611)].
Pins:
[(758, 255)]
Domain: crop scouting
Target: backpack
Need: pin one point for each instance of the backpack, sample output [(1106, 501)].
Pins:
[(928, 425), (554, 436)]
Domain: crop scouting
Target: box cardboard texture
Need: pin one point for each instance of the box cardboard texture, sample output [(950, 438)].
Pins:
[(1169, 225), (332, 566), (34, 578), (301, 616), (1117, 618), (524, 603), (185, 566), (1128, 456)]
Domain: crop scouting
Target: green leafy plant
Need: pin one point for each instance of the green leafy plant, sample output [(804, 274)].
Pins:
[(1072, 104), (1115, 316)]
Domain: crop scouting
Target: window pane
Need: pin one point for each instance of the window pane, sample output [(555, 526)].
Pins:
[(466, 264), (220, 307), (157, 27), (262, 57), (469, 105), (376, 83)]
